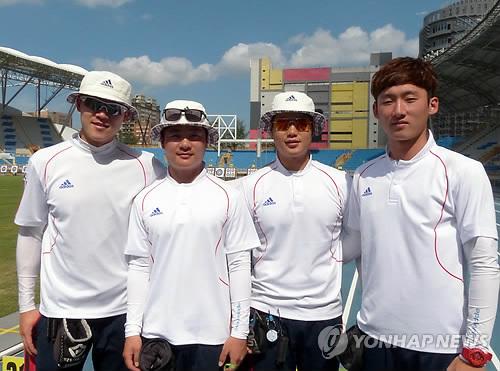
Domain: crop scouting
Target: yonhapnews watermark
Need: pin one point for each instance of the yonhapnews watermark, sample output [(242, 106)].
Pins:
[(332, 341)]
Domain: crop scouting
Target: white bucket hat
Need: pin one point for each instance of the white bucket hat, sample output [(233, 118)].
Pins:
[(182, 105), (106, 85), (292, 101)]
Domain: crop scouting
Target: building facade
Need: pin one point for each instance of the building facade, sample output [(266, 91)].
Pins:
[(444, 27), (55, 117), (342, 94), (139, 132)]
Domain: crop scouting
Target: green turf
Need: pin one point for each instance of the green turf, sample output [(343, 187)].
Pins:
[(11, 189)]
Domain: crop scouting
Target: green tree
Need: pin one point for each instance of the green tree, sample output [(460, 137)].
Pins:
[(241, 133), (127, 138)]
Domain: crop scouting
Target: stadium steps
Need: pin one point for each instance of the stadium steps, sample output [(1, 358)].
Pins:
[(361, 156), (21, 132), (490, 154), (480, 143)]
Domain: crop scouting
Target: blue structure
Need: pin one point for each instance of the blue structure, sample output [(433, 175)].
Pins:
[(244, 159)]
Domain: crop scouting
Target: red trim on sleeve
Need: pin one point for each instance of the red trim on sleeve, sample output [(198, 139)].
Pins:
[(137, 158), (223, 224), (47, 164), (340, 211), (55, 238), (148, 192), (441, 217), (360, 174), (227, 213)]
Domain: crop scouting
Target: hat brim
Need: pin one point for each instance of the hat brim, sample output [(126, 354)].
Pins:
[(134, 115), (319, 121), (212, 132)]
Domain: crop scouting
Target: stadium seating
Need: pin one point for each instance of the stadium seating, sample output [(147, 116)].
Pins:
[(361, 156), (244, 159), (480, 144), (22, 160), (449, 142), (22, 132)]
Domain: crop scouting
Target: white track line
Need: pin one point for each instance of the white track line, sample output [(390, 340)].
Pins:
[(12, 350), (350, 297), (494, 359)]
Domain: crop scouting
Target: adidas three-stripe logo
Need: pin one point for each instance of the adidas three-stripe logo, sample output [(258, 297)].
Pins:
[(107, 83), (269, 201), (156, 212), (66, 184), (367, 192), (291, 98)]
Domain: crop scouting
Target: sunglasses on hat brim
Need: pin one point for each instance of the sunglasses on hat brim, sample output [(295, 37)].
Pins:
[(300, 123), (192, 115), (96, 105)]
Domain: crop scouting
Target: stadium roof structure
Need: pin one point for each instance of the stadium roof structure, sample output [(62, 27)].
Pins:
[(469, 71), (20, 70)]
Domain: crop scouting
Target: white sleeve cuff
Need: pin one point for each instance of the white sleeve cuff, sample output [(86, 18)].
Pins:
[(28, 258), (481, 254), (240, 291), (139, 269)]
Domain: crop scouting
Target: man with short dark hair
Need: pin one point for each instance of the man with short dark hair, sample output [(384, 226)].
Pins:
[(74, 217), (425, 215)]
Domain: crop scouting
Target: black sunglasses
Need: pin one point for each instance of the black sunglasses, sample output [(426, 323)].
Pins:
[(192, 115), (94, 104)]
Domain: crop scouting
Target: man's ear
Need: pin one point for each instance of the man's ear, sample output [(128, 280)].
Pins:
[(433, 105), (375, 110)]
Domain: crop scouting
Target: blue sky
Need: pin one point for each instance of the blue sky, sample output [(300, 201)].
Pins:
[(200, 49)]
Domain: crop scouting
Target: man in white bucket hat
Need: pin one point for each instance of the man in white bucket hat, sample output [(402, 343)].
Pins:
[(297, 206), (74, 217), (188, 250)]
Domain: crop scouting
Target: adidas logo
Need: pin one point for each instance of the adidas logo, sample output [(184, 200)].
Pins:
[(156, 212), (268, 202), (66, 184), (291, 98), (367, 192), (107, 83)]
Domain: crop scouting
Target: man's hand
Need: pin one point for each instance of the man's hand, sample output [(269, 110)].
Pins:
[(27, 321), (459, 365), (236, 349), (131, 350)]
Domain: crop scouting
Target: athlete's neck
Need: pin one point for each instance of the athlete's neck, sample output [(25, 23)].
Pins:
[(406, 150), (294, 163), (185, 175)]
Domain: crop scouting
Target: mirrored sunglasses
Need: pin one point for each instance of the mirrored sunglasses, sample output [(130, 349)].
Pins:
[(192, 115), (300, 123), (94, 104)]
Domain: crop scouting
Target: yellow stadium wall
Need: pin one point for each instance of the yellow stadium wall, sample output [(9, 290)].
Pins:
[(265, 75), (349, 113)]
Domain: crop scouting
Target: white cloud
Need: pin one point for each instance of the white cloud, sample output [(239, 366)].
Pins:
[(351, 47), (237, 59), (168, 71), (424, 12), (109, 3), (147, 17)]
